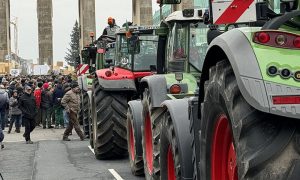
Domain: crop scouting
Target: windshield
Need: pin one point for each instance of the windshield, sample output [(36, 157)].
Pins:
[(187, 42), (141, 61), (110, 54), (198, 44)]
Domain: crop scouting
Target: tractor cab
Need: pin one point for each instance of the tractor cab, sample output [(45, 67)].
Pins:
[(181, 51), (136, 49), (135, 54), (186, 43)]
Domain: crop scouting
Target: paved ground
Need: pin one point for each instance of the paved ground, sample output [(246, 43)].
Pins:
[(49, 158)]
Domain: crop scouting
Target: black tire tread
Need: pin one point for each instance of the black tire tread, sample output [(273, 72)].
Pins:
[(155, 116), (110, 111), (85, 113), (168, 137), (136, 164)]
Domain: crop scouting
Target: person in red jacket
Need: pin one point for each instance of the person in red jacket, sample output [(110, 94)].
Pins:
[(38, 97)]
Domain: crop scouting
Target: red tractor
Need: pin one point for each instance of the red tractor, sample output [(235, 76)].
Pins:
[(115, 86)]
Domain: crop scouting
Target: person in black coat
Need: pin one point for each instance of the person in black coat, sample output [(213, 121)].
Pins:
[(29, 111), (58, 109)]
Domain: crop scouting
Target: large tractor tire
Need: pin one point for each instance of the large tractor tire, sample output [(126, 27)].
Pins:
[(80, 113), (150, 137), (85, 113), (109, 124), (91, 114), (134, 137), (169, 156), (239, 142), (175, 148)]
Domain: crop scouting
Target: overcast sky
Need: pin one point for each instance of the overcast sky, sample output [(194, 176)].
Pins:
[(65, 13)]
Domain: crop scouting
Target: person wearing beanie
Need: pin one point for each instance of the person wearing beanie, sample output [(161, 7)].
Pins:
[(28, 107), (38, 98), (71, 103), (46, 106)]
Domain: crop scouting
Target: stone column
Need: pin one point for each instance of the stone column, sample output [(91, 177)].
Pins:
[(87, 21), (4, 29), (45, 32), (142, 12)]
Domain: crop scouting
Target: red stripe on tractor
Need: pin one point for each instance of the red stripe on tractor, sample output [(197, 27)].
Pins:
[(234, 11), (84, 70), (78, 67)]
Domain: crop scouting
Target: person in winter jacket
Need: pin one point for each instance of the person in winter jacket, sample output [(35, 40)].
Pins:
[(15, 112), (11, 88), (28, 108), (4, 100), (66, 88), (38, 98), (46, 106), (71, 103), (57, 96)]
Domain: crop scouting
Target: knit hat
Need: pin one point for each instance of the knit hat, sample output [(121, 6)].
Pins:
[(74, 85), (46, 86)]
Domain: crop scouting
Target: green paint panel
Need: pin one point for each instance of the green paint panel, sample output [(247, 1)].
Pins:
[(279, 57), (89, 81), (187, 78)]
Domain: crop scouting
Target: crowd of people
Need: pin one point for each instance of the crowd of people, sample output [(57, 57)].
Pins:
[(45, 101)]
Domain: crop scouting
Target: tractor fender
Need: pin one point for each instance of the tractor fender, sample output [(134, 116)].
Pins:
[(117, 85), (79, 80), (178, 110), (157, 85), (90, 94), (242, 58), (136, 107)]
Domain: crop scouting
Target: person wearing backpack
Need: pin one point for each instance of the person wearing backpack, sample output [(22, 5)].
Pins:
[(4, 101)]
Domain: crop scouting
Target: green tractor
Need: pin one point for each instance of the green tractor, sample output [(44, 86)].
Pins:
[(242, 121), (113, 87), (181, 42), (98, 55)]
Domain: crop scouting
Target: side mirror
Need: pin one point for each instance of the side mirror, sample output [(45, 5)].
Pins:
[(133, 44)]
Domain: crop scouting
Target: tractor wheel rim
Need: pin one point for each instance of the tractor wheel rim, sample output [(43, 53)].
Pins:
[(223, 155), (149, 146), (170, 165), (131, 143)]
